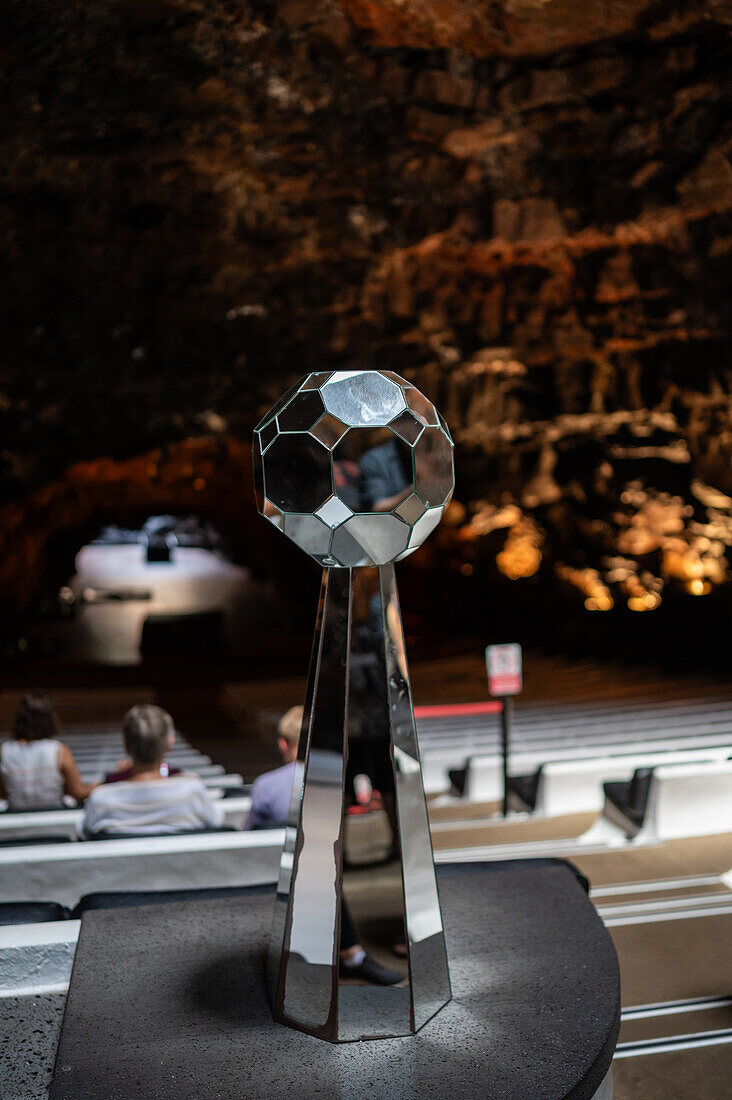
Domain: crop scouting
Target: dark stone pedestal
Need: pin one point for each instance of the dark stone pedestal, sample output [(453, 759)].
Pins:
[(168, 1001)]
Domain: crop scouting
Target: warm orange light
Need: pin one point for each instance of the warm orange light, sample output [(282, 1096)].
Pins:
[(599, 603), (199, 483), (698, 587), (466, 569), (521, 554)]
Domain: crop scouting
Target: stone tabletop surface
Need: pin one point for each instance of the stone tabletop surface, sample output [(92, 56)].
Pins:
[(168, 1001)]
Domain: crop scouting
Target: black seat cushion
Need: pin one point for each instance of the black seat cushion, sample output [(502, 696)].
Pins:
[(123, 899), (457, 777), (526, 787), (16, 842), (237, 792), (617, 791), (150, 836), (630, 796), (640, 786), (31, 912)]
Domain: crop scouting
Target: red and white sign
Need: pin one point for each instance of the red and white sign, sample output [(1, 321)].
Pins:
[(504, 668)]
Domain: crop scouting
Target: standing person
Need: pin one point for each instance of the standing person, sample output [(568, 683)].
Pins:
[(271, 792), (150, 802), (36, 768)]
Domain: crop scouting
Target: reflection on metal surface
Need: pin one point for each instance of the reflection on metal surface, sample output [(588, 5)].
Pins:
[(336, 890), (363, 451)]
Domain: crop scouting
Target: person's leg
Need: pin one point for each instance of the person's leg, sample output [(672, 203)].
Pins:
[(349, 938), (355, 963)]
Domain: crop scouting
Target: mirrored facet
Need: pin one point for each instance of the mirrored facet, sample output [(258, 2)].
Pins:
[(297, 473), (408, 426), (305, 996), (277, 406), (315, 381), (433, 467), (329, 430), (308, 533), (267, 434), (443, 425), (373, 469), (411, 509), (301, 412), (334, 512), (419, 404), (382, 537), (273, 514), (258, 473), (346, 551), (424, 527), (429, 974), (362, 398), (395, 378)]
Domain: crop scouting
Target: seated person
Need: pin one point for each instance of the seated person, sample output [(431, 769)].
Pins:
[(36, 769), (149, 803), (271, 792)]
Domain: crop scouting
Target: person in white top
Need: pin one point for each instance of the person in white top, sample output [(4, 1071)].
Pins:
[(149, 803), (36, 769)]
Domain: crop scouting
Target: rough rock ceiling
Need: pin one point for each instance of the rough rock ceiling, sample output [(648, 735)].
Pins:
[(523, 205)]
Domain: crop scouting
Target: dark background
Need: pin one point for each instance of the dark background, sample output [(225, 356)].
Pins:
[(525, 209)]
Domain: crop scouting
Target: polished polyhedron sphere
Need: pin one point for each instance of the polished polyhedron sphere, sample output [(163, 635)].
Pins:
[(356, 467)]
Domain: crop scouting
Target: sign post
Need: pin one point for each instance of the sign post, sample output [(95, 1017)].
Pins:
[(503, 663)]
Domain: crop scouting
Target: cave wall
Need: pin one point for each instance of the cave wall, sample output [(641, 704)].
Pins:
[(524, 207)]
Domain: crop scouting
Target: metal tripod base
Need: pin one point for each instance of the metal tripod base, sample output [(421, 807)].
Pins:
[(358, 718)]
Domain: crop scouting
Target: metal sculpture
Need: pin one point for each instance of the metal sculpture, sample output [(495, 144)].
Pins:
[(356, 468)]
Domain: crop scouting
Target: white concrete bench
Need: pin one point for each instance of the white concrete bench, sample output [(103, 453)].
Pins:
[(484, 779), (684, 800), (37, 958), (65, 872), (66, 822), (575, 786), (688, 800), (216, 784), (94, 771)]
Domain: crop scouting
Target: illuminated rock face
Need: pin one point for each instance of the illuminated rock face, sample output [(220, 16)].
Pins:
[(522, 208)]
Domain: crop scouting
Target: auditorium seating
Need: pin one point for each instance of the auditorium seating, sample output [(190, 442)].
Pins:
[(98, 750), (576, 786), (674, 800), (40, 838), (65, 872), (556, 732), (66, 823), (31, 912)]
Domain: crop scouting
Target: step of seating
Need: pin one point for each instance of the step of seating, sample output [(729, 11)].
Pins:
[(37, 957), (66, 822), (583, 721), (484, 783), (40, 838), (66, 872), (218, 783), (92, 773), (682, 800), (576, 786), (31, 912)]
